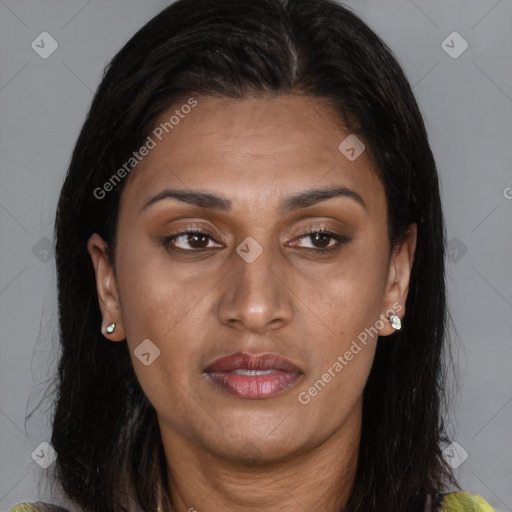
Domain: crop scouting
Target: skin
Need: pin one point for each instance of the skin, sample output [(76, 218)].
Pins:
[(230, 453)]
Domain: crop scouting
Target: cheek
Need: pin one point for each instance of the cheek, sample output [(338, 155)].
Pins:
[(353, 293), (160, 306), (154, 295), (348, 349), (351, 309), (344, 358)]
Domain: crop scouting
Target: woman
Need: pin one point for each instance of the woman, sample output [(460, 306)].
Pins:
[(250, 254)]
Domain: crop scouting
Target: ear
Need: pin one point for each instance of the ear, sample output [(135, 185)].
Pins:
[(106, 288), (397, 286)]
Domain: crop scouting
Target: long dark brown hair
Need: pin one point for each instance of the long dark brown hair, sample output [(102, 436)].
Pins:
[(105, 430)]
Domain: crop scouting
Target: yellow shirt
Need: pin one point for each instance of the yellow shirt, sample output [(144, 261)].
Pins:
[(461, 501), (464, 501)]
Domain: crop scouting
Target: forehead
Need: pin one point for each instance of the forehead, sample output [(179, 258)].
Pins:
[(251, 148)]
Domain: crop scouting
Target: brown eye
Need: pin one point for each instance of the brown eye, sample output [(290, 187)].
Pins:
[(323, 241), (191, 241)]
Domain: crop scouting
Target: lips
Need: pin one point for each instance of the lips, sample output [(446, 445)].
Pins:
[(253, 376)]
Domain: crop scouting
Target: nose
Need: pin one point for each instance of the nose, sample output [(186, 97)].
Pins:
[(258, 296)]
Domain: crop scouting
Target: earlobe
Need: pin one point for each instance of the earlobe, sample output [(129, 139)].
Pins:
[(106, 289)]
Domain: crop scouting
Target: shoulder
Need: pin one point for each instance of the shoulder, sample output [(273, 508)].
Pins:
[(464, 501), (37, 507)]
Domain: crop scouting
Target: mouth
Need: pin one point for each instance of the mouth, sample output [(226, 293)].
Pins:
[(253, 377)]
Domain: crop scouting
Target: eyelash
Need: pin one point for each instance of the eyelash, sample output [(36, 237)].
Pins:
[(340, 239)]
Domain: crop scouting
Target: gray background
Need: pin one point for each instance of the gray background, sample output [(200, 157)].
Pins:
[(467, 105)]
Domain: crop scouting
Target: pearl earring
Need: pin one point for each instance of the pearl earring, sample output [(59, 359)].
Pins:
[(110, 328), (395, 322)]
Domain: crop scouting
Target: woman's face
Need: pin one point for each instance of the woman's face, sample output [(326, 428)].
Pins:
[(251, 282)]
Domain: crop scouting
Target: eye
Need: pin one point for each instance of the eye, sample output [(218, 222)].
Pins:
[(192, 240), (327, 240)]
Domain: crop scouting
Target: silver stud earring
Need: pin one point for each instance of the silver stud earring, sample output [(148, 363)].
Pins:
[(110, 328), (395, 322)]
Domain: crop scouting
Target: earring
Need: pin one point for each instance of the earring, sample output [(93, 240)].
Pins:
[(110, 328), (395, 322)]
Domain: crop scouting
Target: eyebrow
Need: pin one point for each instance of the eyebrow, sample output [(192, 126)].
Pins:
[(295, 202)]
